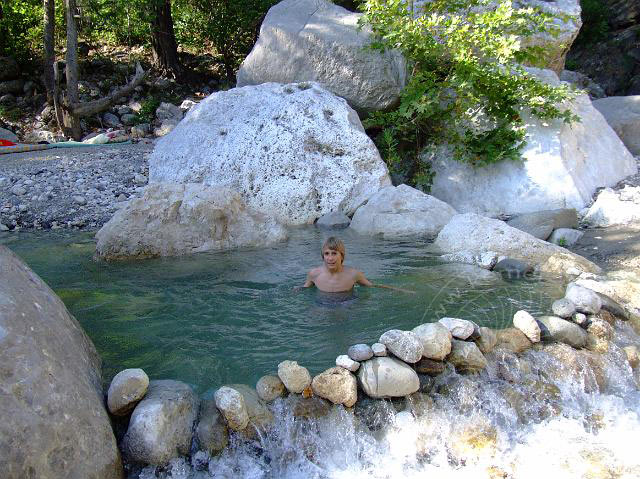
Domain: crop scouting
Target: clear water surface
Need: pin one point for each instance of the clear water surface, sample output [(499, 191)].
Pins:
[(231, 317)]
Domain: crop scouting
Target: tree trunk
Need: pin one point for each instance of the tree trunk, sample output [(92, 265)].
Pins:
[(163, 40), (71, 124), (49, 50)]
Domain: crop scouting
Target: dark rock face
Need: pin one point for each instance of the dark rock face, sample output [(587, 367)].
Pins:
[(623, 13), (54, 423)]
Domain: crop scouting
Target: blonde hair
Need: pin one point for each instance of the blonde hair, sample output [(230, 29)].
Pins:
[(333, 243)]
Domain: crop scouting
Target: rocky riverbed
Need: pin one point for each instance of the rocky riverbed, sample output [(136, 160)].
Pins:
[(70, 187)]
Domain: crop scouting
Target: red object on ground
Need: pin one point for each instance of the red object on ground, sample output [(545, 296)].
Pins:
[(6, 143)]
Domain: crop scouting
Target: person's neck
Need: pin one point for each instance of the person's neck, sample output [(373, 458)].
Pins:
[(337, 270)]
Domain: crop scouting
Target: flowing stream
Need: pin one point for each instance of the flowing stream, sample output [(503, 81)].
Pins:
[(219, 318)]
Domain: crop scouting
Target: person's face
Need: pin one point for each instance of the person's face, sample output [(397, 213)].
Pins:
[(332, 258)]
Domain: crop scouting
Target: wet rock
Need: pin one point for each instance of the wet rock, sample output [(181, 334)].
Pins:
[(558, 329), (337, 385), (486, 260), (487, 340), (459, 328), (347, 363), (586, 301), (382, 377), (127, 388), (565, 237), (512, 268), (404, 344), (466, 357), (612, 307), (581, 367), (360, 352), (563, 308), (295, 377), (212, 431), (232, 406), (260, 417), (310, 408), (436, 340), (379, 349), (513, 340), (161, 424), (430, 367), (633, 356), (53, 416), (526, 323), (335, 219), (270, 387)]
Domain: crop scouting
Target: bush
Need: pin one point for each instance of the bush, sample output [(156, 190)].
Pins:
[(594, 22), (466, 88), (20, 28)]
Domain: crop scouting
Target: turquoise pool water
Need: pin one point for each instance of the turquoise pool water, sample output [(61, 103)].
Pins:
[(230, 317)]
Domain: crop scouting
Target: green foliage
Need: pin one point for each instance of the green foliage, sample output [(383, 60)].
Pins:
[(11, 114), (466, 87), (594, 22), (562, 242), (148, 110), (20, 28)]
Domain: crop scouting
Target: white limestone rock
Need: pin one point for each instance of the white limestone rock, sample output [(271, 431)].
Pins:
[(436, 340), (565, 237), (459, 328), (173, 220), (294, 152), (586, 300), (396, 212), (466, 357), (379, 349), (615, 208), (526, 323), (562, 167), (474, 233), (315, 40), (127, 388), (296, 378), (347, 363), (231, 404), (403, 344), (385, 377), (623, 115), (337, 385)]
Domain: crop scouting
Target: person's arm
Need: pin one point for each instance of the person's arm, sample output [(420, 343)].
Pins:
[(307, 284), (360, 279)]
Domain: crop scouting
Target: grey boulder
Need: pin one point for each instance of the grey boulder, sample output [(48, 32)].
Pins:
[(586, 300), (542, 223), (404, 344), (127, 388), (360, 352), (335, 219), (563, 308), (384, 377), (436, 340), (563, 331), (466, 357)]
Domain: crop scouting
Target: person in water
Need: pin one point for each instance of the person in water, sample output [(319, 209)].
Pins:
[(332, 276)]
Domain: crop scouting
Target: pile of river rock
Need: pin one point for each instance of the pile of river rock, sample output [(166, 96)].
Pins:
[(168, 420)]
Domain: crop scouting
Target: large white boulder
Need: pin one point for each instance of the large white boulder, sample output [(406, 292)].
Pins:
[(475, 233), (396, 212), (623, 115), (315, 40), (562, 166), (295, 152), (173, 220), (615, 208), (383, 377)]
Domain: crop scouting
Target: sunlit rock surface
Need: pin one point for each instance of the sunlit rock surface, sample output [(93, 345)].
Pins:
[(294, 152)]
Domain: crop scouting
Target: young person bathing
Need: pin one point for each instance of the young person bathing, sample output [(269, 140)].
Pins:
[(333, 277)]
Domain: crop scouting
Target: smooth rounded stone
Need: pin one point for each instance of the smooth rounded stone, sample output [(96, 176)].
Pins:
[(614, 208), (430, 367), (231, 404), (403, 344), (526, 323), (337, 385), (379, 349), (633, 356), (52, 405), (513, 340), (563, 331), (556, 171), (401, 211), (315, 40), (487, 340), (295, 377), (436, 340), (513, 268), (541, 224), (335, 219), (383, 377), (563, 308), (260, 417), (466, 357), (360, 352), (127, 388), (161, 424), (212, 431), (565, 237), (623, 115), (580, 319), (459, 328), (270, 387), (586, 301), (302, 130), (173, 220), (168, 111), (347, 363)]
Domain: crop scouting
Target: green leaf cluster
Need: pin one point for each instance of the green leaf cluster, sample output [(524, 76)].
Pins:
[(466, 87)]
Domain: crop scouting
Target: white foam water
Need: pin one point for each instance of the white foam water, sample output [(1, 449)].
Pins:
[(550, 411)]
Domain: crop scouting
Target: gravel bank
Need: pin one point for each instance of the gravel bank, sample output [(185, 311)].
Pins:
[(70, 188)]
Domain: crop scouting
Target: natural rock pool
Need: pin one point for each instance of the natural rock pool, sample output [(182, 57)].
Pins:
[(231, 317)]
